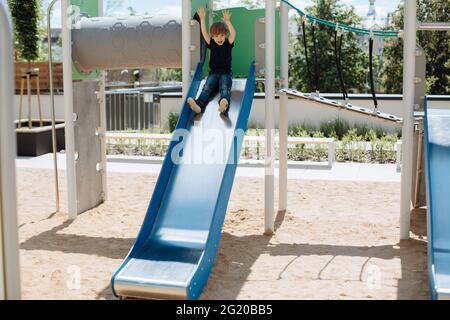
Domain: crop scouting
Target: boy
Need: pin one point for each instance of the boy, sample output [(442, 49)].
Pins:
[(219, 63)]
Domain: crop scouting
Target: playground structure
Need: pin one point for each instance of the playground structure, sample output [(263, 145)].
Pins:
[(161, 231), (437, 155), (9, 249)]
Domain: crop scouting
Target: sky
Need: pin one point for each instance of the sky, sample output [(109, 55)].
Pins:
[(174, 6)]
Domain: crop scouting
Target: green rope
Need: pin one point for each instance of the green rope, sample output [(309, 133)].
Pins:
[(378, 33)]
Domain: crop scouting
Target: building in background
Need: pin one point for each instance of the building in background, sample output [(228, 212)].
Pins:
[(375, 22)]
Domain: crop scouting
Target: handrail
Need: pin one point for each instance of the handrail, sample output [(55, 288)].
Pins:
[(52, 101), (247, 138)]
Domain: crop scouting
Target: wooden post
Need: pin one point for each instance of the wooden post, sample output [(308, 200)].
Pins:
[(22, 80), (38, 93), (30, 123)]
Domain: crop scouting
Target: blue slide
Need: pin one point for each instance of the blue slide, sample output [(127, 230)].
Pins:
[(175, 249), (437, 160)]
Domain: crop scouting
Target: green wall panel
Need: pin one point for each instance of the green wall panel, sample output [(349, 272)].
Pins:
[(89, 7)]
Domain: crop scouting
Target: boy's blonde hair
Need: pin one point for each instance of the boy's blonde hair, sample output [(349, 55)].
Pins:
[(218, 28)]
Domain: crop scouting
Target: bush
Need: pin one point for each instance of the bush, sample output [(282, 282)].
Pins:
[(25, 16), (301, 130), (173, 119)]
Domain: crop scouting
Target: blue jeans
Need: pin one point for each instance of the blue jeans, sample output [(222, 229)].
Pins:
[(215, 82)]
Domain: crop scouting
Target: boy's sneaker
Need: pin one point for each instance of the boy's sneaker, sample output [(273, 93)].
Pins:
[(223, 105), (194, 106)]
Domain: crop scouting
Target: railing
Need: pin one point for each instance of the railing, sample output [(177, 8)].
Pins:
[(135, 109), (160, 142)]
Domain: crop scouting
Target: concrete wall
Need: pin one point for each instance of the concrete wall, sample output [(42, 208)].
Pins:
[(298, 111), (45, 106)]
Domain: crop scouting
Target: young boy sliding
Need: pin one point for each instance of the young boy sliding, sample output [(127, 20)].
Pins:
[(219, 64)]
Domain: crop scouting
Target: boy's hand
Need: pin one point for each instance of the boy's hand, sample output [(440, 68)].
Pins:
[(226, 16), (201, 12), (227, 20)]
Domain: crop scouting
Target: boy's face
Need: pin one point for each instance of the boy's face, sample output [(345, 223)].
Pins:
[(219, 38)]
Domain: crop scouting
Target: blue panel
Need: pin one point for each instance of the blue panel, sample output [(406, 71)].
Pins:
[(442, 272), (177, 244), (437, 160)]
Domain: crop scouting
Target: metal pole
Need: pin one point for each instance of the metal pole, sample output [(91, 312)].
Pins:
[(69, 116), (52, 101), (283, 125), (269, 116), (434, 26), (9, 241), (186, 44), (419, 165), (409, 48), (102, 128)]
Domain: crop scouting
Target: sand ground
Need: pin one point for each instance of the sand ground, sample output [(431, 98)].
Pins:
[(338, 240)]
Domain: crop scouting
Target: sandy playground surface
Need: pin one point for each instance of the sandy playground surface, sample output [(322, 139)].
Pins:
[(338, 240)]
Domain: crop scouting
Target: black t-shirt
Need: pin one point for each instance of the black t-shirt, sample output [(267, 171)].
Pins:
[(220, 58)]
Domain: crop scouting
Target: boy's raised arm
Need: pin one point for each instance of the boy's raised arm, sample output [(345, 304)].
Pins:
[(201, 14), (227, 20)]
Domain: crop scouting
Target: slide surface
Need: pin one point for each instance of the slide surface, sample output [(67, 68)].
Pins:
[(175, 249), (437, 160)]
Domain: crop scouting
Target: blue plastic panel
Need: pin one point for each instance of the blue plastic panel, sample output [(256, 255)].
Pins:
[(437, 158)]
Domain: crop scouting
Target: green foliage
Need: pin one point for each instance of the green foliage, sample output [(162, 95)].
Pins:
[(173, 119), (352, 147), (26, 17), (252, 4), (320, 150), (354, 61), (335, 129), (362, 130), (341, 127), (436, 45), (169, 74), (253, 125), (301, 130)]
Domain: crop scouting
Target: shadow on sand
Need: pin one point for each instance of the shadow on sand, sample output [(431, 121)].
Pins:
[(412, 254)]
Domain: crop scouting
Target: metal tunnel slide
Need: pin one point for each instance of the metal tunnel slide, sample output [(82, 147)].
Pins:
[(437, 160), (175, 249)]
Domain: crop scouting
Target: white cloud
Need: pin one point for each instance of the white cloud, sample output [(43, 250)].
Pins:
[(171, 10)]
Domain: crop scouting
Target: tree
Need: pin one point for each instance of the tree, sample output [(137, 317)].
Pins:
[(353, 60), (113, 6), (253, 3), (131, 11), (26, 19), (436, 45)]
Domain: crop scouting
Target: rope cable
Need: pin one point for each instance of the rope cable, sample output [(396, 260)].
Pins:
[(357, 30), (337, 55), (316, 65), (372, 86), (308, 71)]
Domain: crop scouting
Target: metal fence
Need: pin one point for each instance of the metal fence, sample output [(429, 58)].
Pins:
[(135, 109)]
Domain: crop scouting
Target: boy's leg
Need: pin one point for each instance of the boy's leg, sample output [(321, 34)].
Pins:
[(208, 90), (225, 89)]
